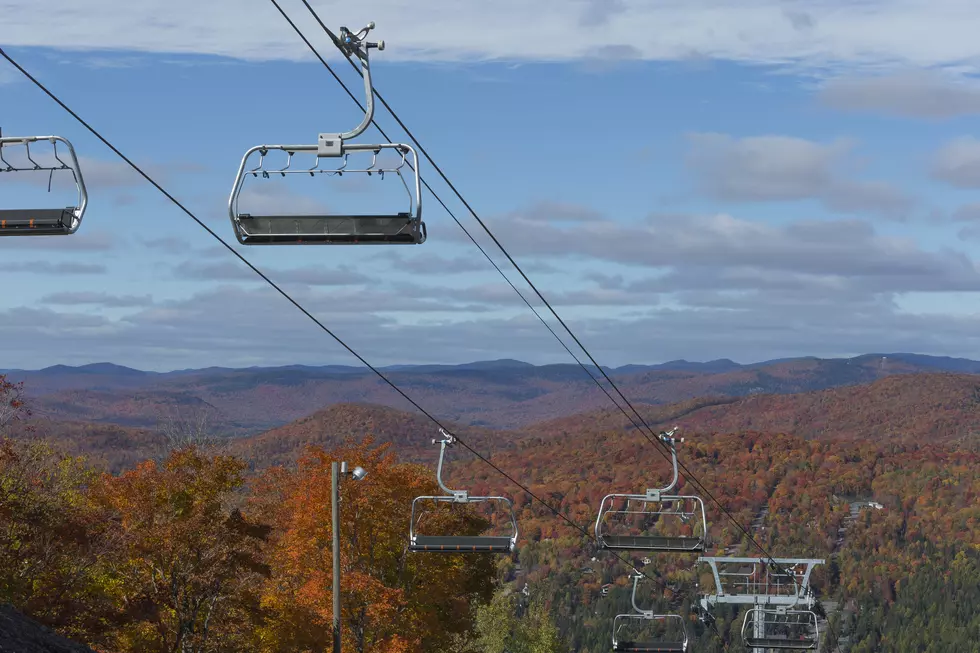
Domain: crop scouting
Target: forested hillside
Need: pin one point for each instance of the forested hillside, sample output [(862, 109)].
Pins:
[(236, 535), (495, 394)]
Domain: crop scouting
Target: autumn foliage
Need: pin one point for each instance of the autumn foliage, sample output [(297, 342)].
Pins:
[(393, 600), (201, 552), (194, 554)]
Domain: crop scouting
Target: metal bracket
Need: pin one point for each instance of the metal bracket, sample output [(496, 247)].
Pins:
[(329, 145)]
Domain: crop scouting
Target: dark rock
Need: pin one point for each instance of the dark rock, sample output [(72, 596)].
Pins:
[(18, 634)]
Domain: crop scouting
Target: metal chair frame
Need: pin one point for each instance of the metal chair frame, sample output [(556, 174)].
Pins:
[(759, 638), (344, 229), (646, 615), (43, 222), (462, 543), (669, 544)]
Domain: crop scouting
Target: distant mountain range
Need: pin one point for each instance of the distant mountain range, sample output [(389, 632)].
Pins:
[(501, 394)]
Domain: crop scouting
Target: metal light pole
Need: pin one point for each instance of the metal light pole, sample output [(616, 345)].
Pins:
[(336, 471)]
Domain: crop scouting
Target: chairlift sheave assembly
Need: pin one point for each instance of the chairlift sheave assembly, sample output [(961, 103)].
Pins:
[(673, 645), (780, 628), (400, 228), (459, 543), (61, 221), (662, 501)]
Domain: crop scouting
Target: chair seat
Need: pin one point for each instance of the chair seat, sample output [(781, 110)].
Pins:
[(460, 543), (651, 647), (652, 543), (36, 221), (331, 229), (780, 642)]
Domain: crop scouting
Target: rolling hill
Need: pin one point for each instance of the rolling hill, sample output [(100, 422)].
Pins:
[(495, 394), (912, 407), (411, 434), (927, 408)]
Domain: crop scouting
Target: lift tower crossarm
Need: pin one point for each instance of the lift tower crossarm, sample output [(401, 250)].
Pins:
[(801, 586)]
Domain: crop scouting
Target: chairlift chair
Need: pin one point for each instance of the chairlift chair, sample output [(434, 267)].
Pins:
[(662, 646), (401, 228), (43, 221), (459, 543), (780, 628), (660, 499)]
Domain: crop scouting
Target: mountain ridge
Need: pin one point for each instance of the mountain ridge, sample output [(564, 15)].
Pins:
[(502, 394), (948, 363)]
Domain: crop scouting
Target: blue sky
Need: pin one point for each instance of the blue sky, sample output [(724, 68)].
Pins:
[(683, 181)]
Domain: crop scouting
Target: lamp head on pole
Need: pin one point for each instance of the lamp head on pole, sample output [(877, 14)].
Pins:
[(358, 473)]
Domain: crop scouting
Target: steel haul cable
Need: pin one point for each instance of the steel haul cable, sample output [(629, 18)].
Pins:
[(649, 429), (557, 511), (650, 434)]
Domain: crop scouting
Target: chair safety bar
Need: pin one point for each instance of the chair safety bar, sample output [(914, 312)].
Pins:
[(43, 221), (459, 543)]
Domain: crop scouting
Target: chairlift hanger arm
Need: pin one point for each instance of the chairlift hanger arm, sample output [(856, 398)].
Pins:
[(354, 44), (459, 496)]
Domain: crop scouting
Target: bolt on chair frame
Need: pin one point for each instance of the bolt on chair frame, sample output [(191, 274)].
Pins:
[(459, 543), (43, 222), (325, 229), (646, 615), (759, 638), (669, 544)]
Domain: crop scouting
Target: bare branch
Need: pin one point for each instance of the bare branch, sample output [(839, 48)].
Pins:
[(13, 405), (184, 425)]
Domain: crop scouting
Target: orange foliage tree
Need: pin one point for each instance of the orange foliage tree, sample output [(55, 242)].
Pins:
[(393, 600), (188, 561)]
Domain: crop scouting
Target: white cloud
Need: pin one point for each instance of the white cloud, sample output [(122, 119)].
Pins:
[(958, 163), (915, 93), (47, 267), (236, 271), (826, 33), (86, 239), (774, 168), (830, 287), (202, 331), (95, 172), (849, 249), (967, 213), (82, 298), (278, 200), (9, 75)]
